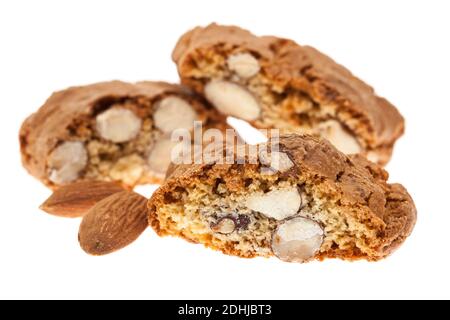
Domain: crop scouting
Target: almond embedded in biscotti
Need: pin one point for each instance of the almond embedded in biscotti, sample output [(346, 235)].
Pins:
[(278, 204), (297, 240), (113, 223), (233, 100), (67, 161), (339, 136), (75, 199), (225, 225), (276, 160), (174, 113), (243, 64), (118, 125)]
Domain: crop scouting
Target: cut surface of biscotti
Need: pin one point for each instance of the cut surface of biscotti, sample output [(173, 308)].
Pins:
[(276, 83), (305, 201), (110, 131)]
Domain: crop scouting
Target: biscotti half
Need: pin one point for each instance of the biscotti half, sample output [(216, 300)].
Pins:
[(110, 131), (276, 83), (313, 202)]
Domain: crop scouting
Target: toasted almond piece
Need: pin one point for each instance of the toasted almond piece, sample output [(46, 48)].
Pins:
[(118, 125), (161, 156), (233, 100), (75, 199), (297, 240), (243, 64), (113, 223), (278, 203), (225, 225), (174, 113), (67, 161), (343, 140), (277, 161)]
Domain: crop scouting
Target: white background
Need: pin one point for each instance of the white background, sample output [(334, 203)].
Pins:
[(399, 47)]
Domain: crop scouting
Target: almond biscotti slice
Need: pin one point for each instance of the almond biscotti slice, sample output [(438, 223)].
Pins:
[(110, 131), (276, 83), (305, 201)]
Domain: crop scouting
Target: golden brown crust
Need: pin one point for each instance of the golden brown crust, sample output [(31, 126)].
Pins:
[(54, 121), (359, 184), (291, 66), (356, 185)]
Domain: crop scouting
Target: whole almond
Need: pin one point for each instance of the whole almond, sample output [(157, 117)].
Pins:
[(113, 223), (75, 199)]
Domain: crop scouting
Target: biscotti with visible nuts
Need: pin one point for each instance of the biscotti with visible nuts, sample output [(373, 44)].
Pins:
[(276, 83), (314, 202), (111, 131)]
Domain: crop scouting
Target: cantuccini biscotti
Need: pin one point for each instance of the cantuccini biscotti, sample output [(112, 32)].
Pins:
[(110, 131), (276, 83), (304, 201)]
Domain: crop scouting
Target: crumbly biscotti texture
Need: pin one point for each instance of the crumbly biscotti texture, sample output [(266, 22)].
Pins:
[(110, 131), (276, 83), (318, 204)]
